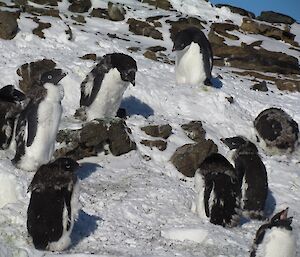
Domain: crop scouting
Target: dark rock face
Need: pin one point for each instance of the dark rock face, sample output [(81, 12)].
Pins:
[(183, 23), (80, 6), (31, 73), (163, 131), (159, 144), (116, 12), (100, 13), (94, 135), (262, 86), (274, 17), (238, 10), (187, 158), (8, 25), (162, 4), (277, 129), (144, 29), (194, 131), (222, 28), (288, 85)]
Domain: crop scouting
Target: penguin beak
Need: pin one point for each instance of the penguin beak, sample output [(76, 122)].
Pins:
[(173, 49), (132, 82)]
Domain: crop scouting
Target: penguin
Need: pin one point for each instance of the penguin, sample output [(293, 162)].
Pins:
[(103, 87), (217, 191), (38, 123), (53, 205), (276, 131), (194, 57), (275, 238), (253, 179), (12, 102)]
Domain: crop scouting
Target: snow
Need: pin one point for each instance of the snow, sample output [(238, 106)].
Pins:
[(138, 204)]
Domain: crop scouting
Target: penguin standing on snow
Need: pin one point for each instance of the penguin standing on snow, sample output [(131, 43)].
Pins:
[(38, 124), (103, 87), (275, 238), (11, 104), (217, 191), (194, 58), (253, 179), (53, 205)]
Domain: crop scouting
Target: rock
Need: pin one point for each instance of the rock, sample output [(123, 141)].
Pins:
[(159, 144), (92, 138), (134, 49), (183, 23), (8, 25), (119, 138), (150, 55), (277, 130), (222, 28), (237, 10), (262, 86), (46, 2), (187, 158), (156, 48), (274, 17), (215, 40), (163, 131), (121, 113), (31, 73), (39, 30), (288, 85), (251, 26), (162, 4), (91, 57), (42, 11), (194, 131), (78, 18), (79, 6), (143, 28), (116, 12), (100, 13)]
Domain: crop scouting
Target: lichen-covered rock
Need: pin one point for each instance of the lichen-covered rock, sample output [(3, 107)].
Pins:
[(194, 131), (187, 158), (238, 10), (144, 29), (274, 17), (277, 130), (159, 144), (79, 6), (31, 73), (116, 12), (163, 131), (8, 25)]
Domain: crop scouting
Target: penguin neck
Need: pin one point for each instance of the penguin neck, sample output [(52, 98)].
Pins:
[(54, 92), (192, 49)]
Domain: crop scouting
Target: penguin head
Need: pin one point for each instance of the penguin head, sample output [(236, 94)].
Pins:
[(281, 219), (53, 76), (185, 37), (67, 164), (126, 65)]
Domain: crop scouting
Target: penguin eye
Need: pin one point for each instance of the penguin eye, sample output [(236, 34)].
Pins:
[(49, 77)]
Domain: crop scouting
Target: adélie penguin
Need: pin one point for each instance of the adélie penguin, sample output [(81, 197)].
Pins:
[(275, 238), (38, 123), (53, 205), (104, 86), (194, 58)]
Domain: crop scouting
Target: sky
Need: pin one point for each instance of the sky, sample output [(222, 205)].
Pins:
[(288, 7)]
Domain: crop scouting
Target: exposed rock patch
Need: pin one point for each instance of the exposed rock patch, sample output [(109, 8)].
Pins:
[(261, 86), (92, 57), (222, 28), (194, 131), (162, 4), (144, 29), (274, 17), (79, 6), (100, 13), (8, 25), (159, 144), (237, 10), (163, 131), (39, 30), (116, 12)]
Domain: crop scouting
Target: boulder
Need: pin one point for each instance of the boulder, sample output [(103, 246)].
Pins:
[(31, 73), (100, 13), (194, 131), (188, 158), (163, 131), (79, 6), (41, 26), (274, 17), (116, 12), (277, 130), (261, 86), (8, 25), (144, 29)]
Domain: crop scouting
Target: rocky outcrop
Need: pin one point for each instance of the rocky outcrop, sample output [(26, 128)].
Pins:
[(31, 73), (222, 28), (144, 29), (79, 6), (162, 4), (237, 10), (274, 17), (8, 25), (92, 138)]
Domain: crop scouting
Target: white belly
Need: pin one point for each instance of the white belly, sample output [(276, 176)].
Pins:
[(277, 242), (109, 97), (199, 198), (190, 66), (42, 148)]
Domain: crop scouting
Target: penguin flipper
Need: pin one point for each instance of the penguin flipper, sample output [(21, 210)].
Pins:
[(207, 193)]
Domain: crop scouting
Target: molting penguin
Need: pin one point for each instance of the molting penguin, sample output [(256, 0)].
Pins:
[(194, 58), (217, 191), (275, 238), (11, 104), (253, 179), (103, 87), (38, 123), (53, 205)]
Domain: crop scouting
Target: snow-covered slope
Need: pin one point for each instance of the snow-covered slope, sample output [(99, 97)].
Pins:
[(138, 204)]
